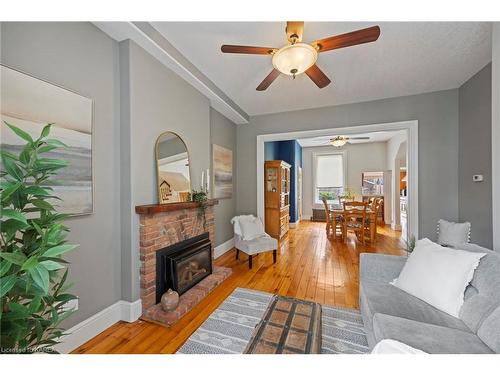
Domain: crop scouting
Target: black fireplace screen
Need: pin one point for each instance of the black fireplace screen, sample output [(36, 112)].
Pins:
[(183, 265)]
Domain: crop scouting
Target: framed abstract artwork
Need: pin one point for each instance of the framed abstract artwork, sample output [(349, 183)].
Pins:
[(30, 103), (222, 165)]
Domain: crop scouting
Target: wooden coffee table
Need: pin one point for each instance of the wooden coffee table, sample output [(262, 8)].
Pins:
[(289, 326)]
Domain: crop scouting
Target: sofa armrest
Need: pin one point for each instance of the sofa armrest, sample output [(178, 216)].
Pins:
[(380, 267)]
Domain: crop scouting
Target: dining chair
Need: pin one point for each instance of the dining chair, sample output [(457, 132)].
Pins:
[(328, 217), (333, 221), (371, 222), (355, 219)]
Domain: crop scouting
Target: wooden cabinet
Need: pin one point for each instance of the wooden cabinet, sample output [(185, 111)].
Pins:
[(277, 197)]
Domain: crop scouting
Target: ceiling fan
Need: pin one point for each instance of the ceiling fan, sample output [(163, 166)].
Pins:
[(341, 140), (297, 57)]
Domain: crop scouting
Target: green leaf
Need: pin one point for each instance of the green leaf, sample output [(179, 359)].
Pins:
[(20, 133), (10, 188), (9, 213), (36, 190), (6, 284), (46, 148), (7, 154), (24, 156), (40, 276), (45, 131), (34, 305), (52, 162), (14, 258), (55, 142), (17, 311), (58, 250), (30, 263), (12, 169), (44, 205), (51, 265), (4, 267)]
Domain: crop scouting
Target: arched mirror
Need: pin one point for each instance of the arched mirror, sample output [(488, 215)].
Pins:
[(172, 161)]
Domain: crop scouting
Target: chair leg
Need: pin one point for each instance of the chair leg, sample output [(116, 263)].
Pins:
[(250, 262), (237, 254), (274, 255)]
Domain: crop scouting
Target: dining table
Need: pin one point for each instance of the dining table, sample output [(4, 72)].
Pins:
[(338, 211)]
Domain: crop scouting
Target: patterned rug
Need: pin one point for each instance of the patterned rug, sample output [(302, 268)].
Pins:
[(229, 328)]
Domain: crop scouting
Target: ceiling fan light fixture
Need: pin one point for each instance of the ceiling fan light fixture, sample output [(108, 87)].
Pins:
[(295, 59), (338, 141)]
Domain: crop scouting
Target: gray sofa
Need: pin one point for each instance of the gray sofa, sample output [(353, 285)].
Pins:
[(390, 313)]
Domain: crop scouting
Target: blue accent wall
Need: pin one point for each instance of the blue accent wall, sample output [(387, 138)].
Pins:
[(271, 150), (291, 152)]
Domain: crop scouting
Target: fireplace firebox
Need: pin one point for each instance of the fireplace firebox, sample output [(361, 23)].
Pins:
[(183, 265)]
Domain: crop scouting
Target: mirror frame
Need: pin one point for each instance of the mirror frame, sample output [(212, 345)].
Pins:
[(158, 167)]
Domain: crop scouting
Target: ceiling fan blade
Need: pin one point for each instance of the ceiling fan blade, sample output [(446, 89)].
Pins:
[(353, 38), (268, 80), (317, 76), (294, 31), (358, 138), (227, 48)]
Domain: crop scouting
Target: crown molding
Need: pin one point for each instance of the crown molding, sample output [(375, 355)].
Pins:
[(150, 39)]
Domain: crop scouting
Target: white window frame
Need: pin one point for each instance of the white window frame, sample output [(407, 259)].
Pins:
[(314, 162)]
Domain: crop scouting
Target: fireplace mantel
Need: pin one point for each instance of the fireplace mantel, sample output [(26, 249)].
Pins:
[(168, 207)]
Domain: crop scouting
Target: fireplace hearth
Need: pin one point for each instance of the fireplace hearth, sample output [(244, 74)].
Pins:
[(182, 265)]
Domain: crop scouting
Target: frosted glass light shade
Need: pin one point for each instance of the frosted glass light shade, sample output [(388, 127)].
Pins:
[(295, 58), (338, 141)]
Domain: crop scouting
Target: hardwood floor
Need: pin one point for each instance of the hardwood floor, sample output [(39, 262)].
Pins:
[(309, 266)]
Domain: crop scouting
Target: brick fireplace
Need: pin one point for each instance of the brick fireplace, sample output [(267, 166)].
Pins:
[(160, 227)]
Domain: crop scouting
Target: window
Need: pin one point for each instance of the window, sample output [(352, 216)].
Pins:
[(329, 176)]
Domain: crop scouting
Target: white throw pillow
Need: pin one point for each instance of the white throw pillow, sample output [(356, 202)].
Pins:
[(251, 228), (438, 275), (453, 234)]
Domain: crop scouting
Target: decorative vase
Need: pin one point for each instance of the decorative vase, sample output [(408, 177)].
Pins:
[(169, 300)]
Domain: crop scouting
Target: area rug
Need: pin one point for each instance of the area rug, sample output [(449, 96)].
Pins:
[(229, 328)]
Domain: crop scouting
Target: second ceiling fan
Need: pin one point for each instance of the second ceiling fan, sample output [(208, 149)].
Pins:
[(297, 57)]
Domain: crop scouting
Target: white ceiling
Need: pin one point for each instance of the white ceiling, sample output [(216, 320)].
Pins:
[(408, 58), (382, 136)]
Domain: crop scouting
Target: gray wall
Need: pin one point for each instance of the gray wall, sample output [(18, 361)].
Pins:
[(474, 156), (157, 101), (223, 133), (80, 57), (437, 114)]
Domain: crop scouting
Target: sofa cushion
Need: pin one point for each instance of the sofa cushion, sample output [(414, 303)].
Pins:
[(257, 245), (427, 337), (387, 299), (483, 294), (489, 331)]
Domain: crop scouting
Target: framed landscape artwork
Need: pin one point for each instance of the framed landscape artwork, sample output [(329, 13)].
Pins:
[(222, 159), (30, 103)]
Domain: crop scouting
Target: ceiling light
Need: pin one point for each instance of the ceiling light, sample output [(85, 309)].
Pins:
[(295, 58), (338, 141)]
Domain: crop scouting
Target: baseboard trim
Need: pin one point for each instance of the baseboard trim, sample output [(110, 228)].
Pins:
[(396, 227), (91, 327), (223, 248)]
